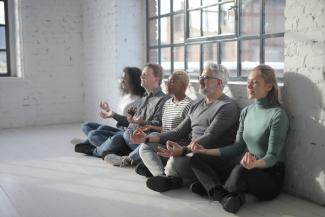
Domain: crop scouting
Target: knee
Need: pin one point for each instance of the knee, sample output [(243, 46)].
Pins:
[(176, 165), (236, 182), (143, 148), (195, 159), (85, 126)]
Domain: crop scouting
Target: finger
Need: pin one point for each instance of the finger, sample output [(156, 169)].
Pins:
[(162, 154)]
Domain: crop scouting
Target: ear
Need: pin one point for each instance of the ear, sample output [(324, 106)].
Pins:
[(269, 86)]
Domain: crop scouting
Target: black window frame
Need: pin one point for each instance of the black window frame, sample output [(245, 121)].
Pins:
[(262, 36), (7, 49)]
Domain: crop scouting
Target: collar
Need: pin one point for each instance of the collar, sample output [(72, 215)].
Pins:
[(263, 102), (153, 92)]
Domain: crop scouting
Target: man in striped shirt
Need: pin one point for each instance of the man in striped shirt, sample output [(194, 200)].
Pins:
[(174, 111)]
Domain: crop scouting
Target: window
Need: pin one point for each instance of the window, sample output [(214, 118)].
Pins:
[(4, 40), (10, 40), (240, 34)]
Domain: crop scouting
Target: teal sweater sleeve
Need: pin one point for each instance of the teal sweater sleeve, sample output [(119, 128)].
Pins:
[(278, 133)]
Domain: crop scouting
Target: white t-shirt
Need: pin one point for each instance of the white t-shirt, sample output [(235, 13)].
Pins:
[(125, 101)]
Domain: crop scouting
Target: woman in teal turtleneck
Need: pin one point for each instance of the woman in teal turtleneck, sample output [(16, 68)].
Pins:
[(259, 143)]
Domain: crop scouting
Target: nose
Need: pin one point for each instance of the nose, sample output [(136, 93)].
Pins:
[(249, 85)]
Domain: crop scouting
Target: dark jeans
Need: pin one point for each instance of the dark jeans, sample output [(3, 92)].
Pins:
[(213, 171)]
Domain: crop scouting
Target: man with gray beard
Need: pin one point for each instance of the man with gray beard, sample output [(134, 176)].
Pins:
[(211, 121)]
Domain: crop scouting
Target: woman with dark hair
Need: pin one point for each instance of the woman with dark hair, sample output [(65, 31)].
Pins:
[(131, 90)]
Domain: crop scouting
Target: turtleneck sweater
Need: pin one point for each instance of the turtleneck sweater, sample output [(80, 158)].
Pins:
[(262, 132)]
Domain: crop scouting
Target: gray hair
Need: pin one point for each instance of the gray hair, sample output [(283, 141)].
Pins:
[(219, 71)]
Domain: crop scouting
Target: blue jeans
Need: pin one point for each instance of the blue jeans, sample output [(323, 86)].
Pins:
[(134, 155), (113, 144), (104, 138), (90, 126)]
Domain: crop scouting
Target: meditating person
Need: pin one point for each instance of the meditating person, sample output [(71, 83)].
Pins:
[(148, 112), (131, 90), (212, 121), (174, 111), (259, 144)]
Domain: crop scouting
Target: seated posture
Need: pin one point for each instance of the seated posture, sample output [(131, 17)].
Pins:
[(260, 140), (212, 121), (132, 91), (148, 112), (174, 111)]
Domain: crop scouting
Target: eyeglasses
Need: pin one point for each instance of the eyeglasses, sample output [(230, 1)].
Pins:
[(204, 77)]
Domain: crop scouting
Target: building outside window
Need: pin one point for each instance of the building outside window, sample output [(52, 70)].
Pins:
[(240, 34)]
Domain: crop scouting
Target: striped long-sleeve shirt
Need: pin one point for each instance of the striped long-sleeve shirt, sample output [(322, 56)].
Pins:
[(174, 113)]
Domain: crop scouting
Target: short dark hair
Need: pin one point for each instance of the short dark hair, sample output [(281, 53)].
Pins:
[(157, 70), (134, 74)]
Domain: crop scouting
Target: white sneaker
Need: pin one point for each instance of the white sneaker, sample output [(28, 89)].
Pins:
[(116, 160), (76, 141)]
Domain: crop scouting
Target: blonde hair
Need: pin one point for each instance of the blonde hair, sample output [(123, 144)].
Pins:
[(268, 74)]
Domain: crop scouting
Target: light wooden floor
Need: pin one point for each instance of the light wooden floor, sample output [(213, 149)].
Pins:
[(41, 176)]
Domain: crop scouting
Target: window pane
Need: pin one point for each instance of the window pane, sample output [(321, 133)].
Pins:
[(274, 16), (179, 28), (228, 19), (153, 56), (165, 30), (193, 60), (153, 32), (164, 7), (178, 5), (250, 53), (194, 23), (274, 54), (2, 37), (3, 62), (209, 2), (250, 17), (210, 53), (210, 20), (153, 8), (179, 62), (229, 57), (2, 13), (166, 60), (193, 3)]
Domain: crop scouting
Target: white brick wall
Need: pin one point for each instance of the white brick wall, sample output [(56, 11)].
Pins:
[(74, 52), (114, 37), (50, 91), (304, 98)]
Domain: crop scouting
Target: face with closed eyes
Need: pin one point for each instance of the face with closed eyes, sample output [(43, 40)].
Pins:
[(209, 84), (257, 88)]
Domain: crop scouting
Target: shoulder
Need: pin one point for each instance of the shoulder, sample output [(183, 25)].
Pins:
[(280, 114), (197, 102)]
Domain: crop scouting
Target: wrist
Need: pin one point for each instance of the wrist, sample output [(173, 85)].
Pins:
[(185, 151), (146, 140)]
